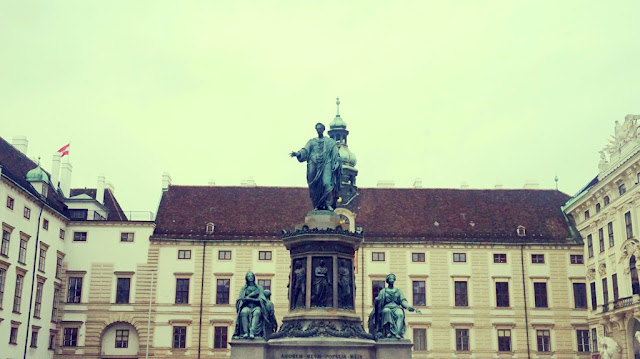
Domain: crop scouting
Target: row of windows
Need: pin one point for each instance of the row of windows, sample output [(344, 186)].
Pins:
[(601, 240), (17, 295), (82, 236), (225, 255), (622, 189), (26, 213), (13, 337), (22, 253), (462, 257), (543, 340)]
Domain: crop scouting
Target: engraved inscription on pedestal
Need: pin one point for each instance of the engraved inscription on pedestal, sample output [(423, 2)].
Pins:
[(321, 289), (299, 278)]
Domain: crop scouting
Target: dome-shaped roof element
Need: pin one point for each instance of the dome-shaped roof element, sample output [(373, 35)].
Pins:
[(347, 157), (37, 174)]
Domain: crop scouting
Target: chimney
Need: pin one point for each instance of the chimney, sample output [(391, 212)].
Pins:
[(386, 184), (166, 181), (20, 143), (212, 182), (109, 186), (417, 183), (100, 189), (65, 178), (249, 182), (498, 186), (531, 185), (55, 170), (464, 185)]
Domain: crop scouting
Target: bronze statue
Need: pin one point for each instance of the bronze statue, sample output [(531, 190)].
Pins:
[(345, 297), (324, 169), (298, 294), (252, 310), (271, 324), (322, 284), (387, 317)]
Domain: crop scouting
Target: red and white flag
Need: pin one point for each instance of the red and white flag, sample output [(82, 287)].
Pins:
[(64, 150)]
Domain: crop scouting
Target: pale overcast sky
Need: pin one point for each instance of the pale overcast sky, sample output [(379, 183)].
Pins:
[(482, 92)]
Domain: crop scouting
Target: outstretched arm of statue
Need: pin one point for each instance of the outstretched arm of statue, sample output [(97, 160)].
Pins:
[(406, 305)]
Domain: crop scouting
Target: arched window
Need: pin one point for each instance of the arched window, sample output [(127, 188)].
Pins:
[(635, 285)]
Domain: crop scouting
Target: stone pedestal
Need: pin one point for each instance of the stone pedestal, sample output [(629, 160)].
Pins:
[(322, 322)]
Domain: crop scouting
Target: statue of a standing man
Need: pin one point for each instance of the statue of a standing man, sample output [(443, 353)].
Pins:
[(324, 169)]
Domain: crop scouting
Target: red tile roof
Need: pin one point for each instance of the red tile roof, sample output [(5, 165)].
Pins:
[(386, 214)]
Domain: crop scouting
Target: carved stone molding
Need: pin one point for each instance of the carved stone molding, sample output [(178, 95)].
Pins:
[(324, 328), (602, 269)]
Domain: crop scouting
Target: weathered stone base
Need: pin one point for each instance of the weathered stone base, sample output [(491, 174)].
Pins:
[(320, 348)]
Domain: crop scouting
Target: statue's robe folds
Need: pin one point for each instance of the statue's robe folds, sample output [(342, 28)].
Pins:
[(324, 170), (387, 309), (257, 313)]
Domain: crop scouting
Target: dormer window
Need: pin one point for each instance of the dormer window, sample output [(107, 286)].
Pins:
[(521, 231), (597, 207), (210, 228), (586, 215)]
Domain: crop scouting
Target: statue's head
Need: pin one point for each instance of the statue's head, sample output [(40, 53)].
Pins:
[(250, 277), (267, 293), (391, 278), (319, 128)]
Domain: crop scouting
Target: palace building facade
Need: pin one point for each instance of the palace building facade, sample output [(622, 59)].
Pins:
[(495, 273)]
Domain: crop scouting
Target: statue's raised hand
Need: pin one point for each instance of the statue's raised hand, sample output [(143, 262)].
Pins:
[(293, 154)]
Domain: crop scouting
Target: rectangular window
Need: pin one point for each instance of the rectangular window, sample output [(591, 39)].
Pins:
[(580, 295), (10, 203), (264, 255), (628, 225), (184, 254), (594, 339), (62, 233), (462, 340), (34, 338), (13, 336), (610, 231), (17, 296), (182, 290), (605, 291), (22, 253), (6, 237), (3, 280), (38, 302), (502, 294), (420, 339), (594, 299), (540, 294), (601, 239), (58, 266), (122, 338), (537, 258), (79, 236), (460, 257), (74, 294), (70, 337), (590, 246), (499, 258), (419, 293), (586, 215), (597, 207), (179, 337), (461, 299), (417, 257), (126, 237), (376, 286), (27, 212), (45, 224), (220, 338), (614, 283), (377, 256), (54, 306), (224, 255), (504, 340), (583, 340), (576, 259), (265, 284), (222, 291), (52, 341), (622, 189), (42, 259), (544, 340), (123, 287)]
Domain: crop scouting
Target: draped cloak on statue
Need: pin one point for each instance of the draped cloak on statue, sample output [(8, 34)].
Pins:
[(324, 170)]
